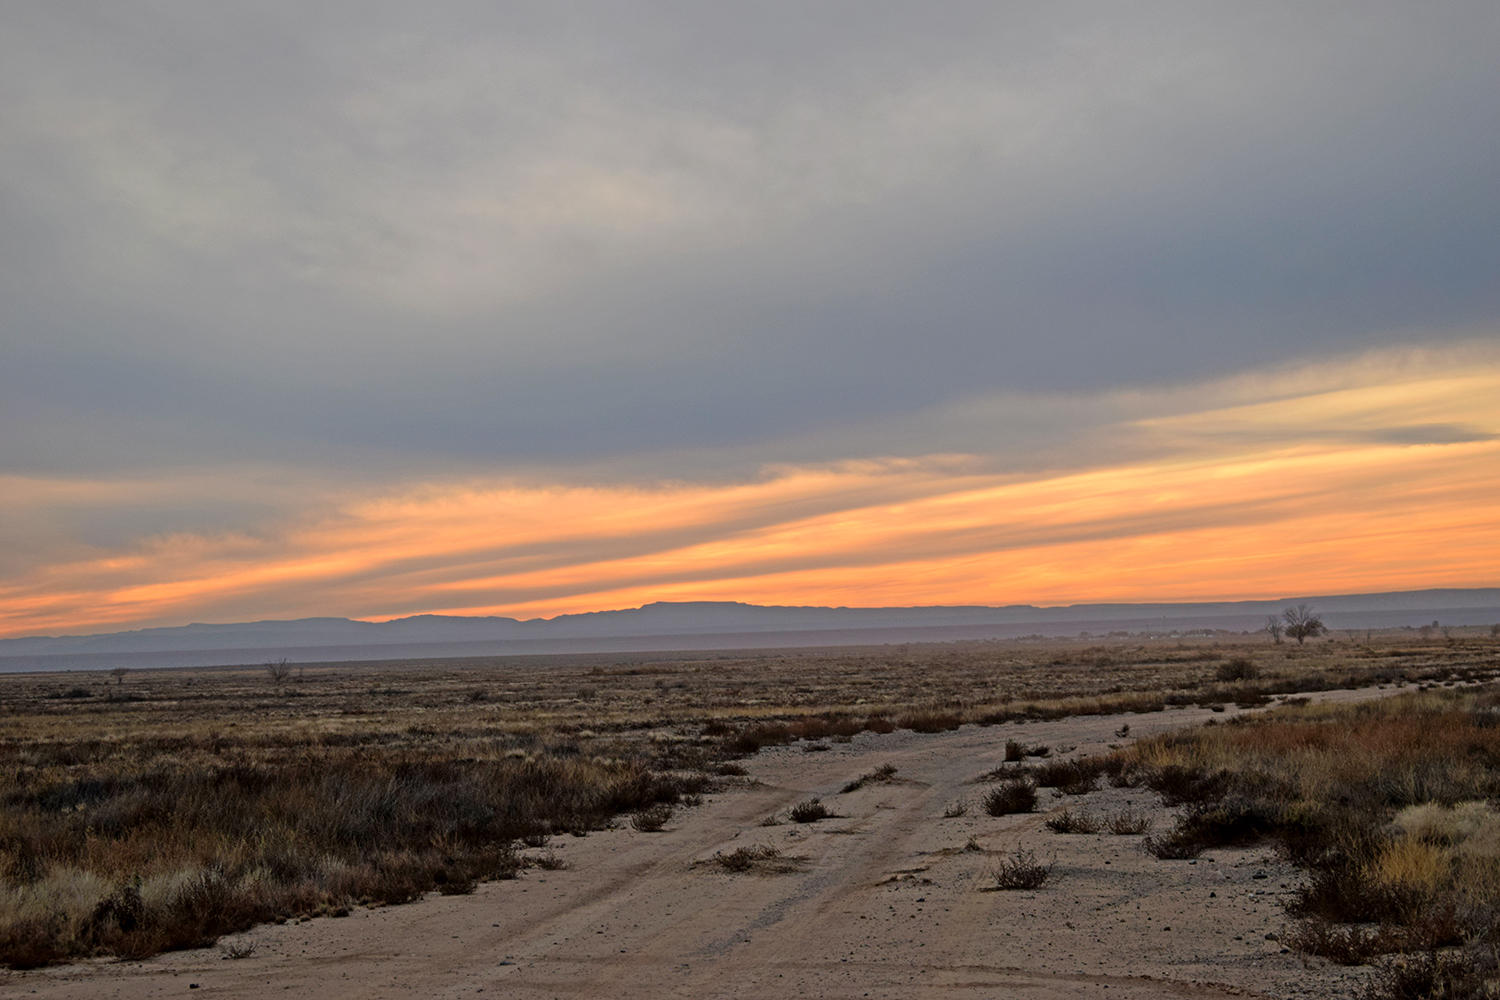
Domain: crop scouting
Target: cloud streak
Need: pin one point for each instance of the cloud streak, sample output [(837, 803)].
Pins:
[(1324, 488)]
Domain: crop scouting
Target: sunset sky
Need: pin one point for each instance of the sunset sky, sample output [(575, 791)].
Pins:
[(378, 309)]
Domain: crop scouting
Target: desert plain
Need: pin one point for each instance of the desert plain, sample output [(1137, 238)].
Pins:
[(821, 823)]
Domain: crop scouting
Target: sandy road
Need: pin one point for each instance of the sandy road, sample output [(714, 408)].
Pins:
[(890, 900)]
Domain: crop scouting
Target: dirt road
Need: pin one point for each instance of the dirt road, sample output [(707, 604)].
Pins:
[(889, 900)]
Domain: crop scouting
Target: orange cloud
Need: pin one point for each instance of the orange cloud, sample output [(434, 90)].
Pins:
[(1388, 484)]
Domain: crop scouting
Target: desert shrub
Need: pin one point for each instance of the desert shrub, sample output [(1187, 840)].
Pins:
[(1171, 847), (742, 859), (1127, 822), (1017, 795), (883, 773), (1021, 870), (1344, 944), (1384, 804), (758, 857), (460, 884), (1232, 821), (1068, 821), (823, 727), (1074, 777), (1178, 784), (311, 833), (808, 811), (930, 721), (1237, 669), (750, 739), (651, 819), (1014, 752), (1433, 976)]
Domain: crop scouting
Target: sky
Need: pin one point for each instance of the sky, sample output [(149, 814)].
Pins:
[(377, 309)]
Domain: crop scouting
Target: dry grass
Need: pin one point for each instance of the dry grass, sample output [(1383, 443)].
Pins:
[(1021, 870), (1128, 822), (809, 811), (1015, 795), (1070, 821), (651, 819), (175, 853), (882, 774), (762, 858), (1385, 804)]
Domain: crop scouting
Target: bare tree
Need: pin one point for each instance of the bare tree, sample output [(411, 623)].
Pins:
[(118, 673), (1302, 623), (1273, 626), (278, 670)]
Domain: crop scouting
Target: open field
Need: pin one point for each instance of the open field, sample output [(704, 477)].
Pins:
[(163, 809)]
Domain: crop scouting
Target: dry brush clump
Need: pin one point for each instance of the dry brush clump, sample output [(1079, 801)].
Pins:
[(652, 819), (176, 853), (1071, 821), (809, 811), (882, 774), (1072, 777), (762, 858), (1128, 822), (1021, 870), (1014, 795), (1388, 806)]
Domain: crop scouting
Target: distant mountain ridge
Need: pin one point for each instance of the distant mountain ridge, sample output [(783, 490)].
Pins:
[(709, 618)]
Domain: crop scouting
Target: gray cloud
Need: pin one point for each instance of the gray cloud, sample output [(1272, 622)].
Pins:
[(375, 241)]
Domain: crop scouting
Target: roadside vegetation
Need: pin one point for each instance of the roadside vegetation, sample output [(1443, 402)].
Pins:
[(180, 849), (146, 810), (1392, 809)]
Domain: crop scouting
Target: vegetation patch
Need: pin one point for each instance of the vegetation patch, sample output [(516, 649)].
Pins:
[(1021, 870), (112, 862), (1072, 777), (1074, 821), (1128, 821), (930, 721), (651, 819), (1386, 805), (757, 858), (809, 811), (1016, 795), (150, 809), (883, 773)]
